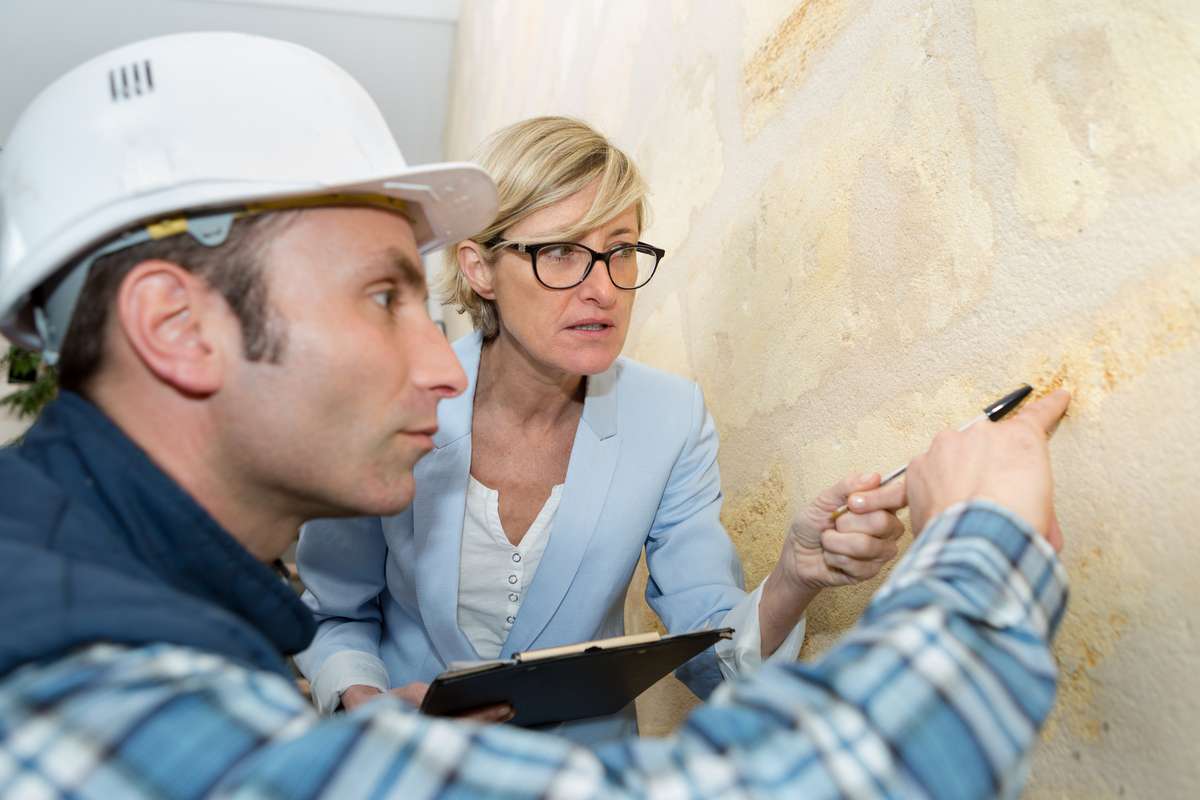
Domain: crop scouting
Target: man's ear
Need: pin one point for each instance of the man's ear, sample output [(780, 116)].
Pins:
[(476, 269), (173, 322)]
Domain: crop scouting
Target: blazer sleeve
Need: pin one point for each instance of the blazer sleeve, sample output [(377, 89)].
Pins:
[(695, 573), (342, 564)]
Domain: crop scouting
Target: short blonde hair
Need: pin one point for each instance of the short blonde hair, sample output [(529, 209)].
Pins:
[(536, 163)]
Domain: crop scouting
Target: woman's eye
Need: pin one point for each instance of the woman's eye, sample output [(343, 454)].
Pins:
[(385, 298)]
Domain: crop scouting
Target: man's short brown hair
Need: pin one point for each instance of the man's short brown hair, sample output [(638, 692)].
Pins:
[(233, 268)]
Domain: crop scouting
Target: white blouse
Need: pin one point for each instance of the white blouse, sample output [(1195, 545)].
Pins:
[(494, 575)]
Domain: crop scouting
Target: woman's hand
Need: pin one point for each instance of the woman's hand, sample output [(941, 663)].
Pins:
[(820, 552), (356, 695), (414, 695)]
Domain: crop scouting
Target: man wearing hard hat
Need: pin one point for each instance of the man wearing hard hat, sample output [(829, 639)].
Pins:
[(227, 274)]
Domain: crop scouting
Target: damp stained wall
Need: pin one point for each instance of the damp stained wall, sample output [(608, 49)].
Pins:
[(881, 215)]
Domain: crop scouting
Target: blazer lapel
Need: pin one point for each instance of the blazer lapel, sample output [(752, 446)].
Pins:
[(589, 474), (438, 510), (437, 528)]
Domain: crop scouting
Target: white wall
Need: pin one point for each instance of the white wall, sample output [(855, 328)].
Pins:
[(880, 214), (400, 50)]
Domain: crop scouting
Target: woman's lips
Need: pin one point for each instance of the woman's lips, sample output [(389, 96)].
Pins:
[(591, 327)]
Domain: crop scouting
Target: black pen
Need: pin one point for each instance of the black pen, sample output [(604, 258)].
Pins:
[(994, 412)]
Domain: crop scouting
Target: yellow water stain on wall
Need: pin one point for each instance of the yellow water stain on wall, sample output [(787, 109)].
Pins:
[(1149, 317), (861, 242), (1096, 353), (1106, 350), (888, 435), (922, 172), (1090, 105), (757, 520), (781, 63), (1106, 583), (736, 343)]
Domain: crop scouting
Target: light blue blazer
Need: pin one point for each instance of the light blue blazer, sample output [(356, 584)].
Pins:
[(642, 474)]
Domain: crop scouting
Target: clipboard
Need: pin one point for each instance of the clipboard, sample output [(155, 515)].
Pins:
[(560, 684)]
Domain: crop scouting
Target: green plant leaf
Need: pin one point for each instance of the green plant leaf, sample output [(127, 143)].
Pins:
[(29, 400)]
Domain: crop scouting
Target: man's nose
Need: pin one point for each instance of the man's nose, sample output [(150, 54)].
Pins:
[(435, 367)]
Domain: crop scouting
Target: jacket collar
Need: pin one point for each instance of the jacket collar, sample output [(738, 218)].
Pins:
[(454, 415), (438, 511), (163, 527)]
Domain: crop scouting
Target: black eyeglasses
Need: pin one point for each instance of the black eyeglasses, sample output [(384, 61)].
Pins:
[(564, 265)]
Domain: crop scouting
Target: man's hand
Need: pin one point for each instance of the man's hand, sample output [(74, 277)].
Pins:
[(820, 552), (1006, 462), (414, 695)]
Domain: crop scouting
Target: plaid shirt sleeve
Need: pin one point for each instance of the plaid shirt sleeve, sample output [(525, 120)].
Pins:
[(938, 692)]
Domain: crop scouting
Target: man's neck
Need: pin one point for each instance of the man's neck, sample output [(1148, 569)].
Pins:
[(176, 433), (532, 394)]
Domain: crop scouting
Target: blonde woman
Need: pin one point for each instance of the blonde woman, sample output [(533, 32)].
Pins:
[(560, 464)]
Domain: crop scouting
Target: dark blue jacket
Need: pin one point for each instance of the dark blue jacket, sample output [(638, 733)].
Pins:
[(97, 544)]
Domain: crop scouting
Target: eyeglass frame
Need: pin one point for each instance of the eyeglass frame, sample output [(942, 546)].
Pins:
[(532, 250)]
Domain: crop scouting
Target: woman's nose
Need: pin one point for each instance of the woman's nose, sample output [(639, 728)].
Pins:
[(598, 286)]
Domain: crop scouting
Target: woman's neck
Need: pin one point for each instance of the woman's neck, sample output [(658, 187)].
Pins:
[(510, 379)]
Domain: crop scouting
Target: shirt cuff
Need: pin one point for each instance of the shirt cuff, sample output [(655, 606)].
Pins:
[(743, 653), (343, 670), (1027, 579)]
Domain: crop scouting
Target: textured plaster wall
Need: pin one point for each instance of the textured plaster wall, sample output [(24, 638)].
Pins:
[(881, 215)]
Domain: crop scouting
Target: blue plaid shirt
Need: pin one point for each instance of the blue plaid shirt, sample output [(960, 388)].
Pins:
[(939, 691)]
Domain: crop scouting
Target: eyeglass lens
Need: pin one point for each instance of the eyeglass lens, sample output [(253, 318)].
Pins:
[(563, 266)]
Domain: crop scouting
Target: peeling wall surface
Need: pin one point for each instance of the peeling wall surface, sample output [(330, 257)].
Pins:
[(880, 216)]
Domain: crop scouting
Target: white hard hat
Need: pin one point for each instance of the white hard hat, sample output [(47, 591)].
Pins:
[(194, 122)]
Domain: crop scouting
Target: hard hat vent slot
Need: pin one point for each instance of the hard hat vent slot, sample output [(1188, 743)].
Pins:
[(131, 80)]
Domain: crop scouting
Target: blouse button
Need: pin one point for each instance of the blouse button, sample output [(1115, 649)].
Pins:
[(510, 620), (512, 578), (516, 557), (513, 596)]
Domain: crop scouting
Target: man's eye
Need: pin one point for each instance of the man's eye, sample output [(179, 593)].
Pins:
[(385, 298)]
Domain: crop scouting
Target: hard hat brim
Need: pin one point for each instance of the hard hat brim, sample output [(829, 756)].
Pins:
[(449, 201)]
